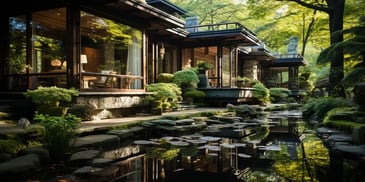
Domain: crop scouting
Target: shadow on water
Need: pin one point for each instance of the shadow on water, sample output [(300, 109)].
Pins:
[(228, 149)]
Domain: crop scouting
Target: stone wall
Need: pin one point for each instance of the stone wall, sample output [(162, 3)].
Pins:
[(117, 105)]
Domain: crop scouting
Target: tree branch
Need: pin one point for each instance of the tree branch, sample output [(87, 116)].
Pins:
[(318, 7)]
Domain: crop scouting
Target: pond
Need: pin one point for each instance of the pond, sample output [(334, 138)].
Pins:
[(272, 146)]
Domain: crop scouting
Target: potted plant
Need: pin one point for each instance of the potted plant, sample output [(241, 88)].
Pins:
[(203, 66), (243, 81)]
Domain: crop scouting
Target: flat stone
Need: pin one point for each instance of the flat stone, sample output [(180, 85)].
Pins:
[(101, 162), (97, 141), (83, 157), (121, 133)]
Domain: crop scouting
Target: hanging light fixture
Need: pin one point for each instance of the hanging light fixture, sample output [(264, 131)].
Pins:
[(162, 51)]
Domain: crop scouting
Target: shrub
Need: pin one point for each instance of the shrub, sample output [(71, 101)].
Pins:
[(166, 96), (51, 96), (194, 93), (60, 132), (49, 99), (186, 79), (261, 93), (165, 77), (317, 108), (11, 146), (279, 94), (202, 66)]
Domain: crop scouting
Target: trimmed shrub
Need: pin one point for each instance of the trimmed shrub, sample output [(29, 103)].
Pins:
[(165, 77)]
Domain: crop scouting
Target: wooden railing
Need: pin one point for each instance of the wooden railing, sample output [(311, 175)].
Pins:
[(102, 80)]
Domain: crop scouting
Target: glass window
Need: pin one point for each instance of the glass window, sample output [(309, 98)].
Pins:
[(226, 67), (110, 47), (17, 38), (48, 34)]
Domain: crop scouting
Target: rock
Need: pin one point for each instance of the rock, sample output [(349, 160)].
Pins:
[(121, 133), (5, 157), (359, 94), (42, 153), (358, 135), (85, 170), (24, 165), (83, 157), (101, 162), (97, 141)]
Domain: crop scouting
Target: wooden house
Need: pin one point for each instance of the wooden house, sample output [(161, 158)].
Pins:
[(111, 49)]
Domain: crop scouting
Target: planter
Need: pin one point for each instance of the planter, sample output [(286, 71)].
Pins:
[(241, 83), (203, 81)]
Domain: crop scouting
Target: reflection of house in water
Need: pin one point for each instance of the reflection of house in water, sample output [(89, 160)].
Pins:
[(127, 44)]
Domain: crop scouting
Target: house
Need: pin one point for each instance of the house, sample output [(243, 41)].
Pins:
[(111, 49)]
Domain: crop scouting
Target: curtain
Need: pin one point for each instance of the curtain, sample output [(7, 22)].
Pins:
[(134, 60)]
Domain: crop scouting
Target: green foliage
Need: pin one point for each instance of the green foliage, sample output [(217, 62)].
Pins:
[(317, 108), (261, 93), (51, 110), (11, 146), (243, 78), (279, 94), (164, 151), (294, 170), (353, 47), (344, 126), (203, 66), (165, 77), (166, 95), (51, 96), (186, 79), (342, 119), (194, 93), (83, 111), (60, 132), (17, 63)]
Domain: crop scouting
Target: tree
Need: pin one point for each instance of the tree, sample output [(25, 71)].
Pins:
[(335, 10), (354, 48)]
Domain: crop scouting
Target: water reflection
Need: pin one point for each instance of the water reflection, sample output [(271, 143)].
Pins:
[(223, 151)]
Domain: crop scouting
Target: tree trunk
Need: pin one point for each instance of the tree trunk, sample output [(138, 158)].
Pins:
[(336, 10)]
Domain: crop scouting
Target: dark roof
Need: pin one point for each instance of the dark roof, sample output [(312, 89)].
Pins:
[(285, 60), (231, 33), (166, 6), (257, 52), (290, 59), (156, 21)]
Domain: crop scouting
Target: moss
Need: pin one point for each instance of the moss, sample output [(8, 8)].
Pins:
[(343, 125)]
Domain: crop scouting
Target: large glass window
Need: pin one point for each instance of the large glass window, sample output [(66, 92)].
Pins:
[(47, 45), (108, 47)]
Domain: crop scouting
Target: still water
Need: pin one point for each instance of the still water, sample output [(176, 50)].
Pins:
[(276, 146)]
